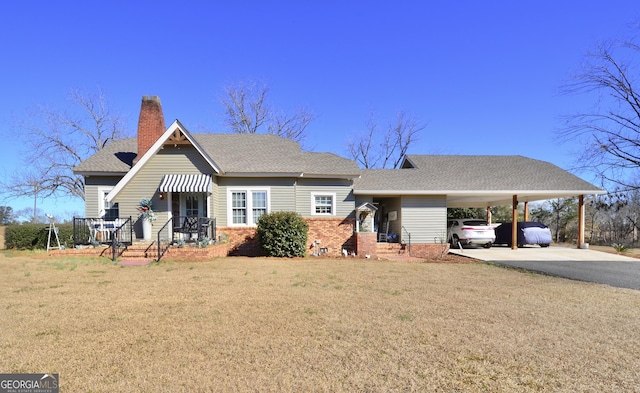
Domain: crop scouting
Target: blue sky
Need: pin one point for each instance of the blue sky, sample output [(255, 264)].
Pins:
[(482, 76)]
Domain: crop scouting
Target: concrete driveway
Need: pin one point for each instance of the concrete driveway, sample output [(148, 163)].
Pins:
[(576, 264)]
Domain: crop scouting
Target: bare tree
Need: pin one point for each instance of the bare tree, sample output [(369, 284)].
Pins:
[(362, 149), (29, 184), (58, 140), (610, 131), (291, 126), (247, 112), (389, 150), (245, 107)]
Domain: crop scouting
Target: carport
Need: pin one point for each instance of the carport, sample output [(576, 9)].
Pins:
[(479, 182)]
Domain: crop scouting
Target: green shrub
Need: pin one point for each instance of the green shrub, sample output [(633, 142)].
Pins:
[(283, 234), (620, 247), (34, 236)]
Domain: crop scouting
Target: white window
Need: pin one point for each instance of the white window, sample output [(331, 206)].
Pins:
[(192, 205), (323, 204), (107, 210), (245, 206)]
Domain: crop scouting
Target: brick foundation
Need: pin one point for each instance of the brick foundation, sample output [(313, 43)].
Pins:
[(367, 244), (334, 235), (429, 251)]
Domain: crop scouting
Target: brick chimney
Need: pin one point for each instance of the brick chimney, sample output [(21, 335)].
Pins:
[(150, 124)]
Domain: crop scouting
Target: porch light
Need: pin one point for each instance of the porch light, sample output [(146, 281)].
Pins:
[(161, 196)]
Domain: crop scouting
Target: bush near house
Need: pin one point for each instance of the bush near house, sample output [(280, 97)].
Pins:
[(283, 234), (34, 236)]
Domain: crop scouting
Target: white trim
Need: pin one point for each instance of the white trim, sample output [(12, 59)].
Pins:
[(249, 208), (313, 203), (476, 192), (102, 210), (153, 150), (289, 174)]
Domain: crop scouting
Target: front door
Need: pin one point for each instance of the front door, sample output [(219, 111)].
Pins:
[(188, 204)]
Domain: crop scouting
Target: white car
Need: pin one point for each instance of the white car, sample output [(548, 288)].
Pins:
[(470, 231)]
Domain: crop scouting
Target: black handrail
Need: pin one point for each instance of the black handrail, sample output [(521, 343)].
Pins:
[(165, 228), (89, 230), (204, 227), (409, 236), (121, 238)]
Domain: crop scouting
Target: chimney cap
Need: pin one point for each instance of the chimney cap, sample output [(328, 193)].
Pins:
[(151, 98)]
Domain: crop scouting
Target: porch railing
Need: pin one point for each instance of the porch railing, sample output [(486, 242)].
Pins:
[(193, 228), (183, 229), (87, 230), (121, 237), (164, 238), (408, 243)]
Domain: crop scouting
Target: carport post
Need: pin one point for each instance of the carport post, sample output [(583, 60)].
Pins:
[(580, 221), (514, 227)]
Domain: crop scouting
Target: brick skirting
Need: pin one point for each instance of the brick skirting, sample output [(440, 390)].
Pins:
[(333, 234), (429, 251)]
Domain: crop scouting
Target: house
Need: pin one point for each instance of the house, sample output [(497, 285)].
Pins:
[(235, 178)]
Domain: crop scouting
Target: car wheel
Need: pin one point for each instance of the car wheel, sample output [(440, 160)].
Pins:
[(544, 245), (488, 245), (455, 241)]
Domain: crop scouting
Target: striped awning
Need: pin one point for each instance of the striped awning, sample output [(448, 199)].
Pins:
[(185, 183)]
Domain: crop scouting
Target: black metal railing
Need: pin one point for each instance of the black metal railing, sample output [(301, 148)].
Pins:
[(121, 237), (165, 238), (193, 228), (196, 230), (87, 230), (408, 242)]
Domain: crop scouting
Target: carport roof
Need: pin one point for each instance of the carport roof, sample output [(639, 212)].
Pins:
[(474, 181)]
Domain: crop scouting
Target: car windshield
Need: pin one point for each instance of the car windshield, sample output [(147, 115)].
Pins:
[(474, 222)]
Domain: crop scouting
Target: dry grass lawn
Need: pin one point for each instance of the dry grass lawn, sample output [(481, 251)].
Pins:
[(256, 324)]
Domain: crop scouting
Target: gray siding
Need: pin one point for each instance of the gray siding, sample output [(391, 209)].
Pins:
[(281, 193), (92, 193), (345, 200), (425, 217), (287, 194), (183, 160)]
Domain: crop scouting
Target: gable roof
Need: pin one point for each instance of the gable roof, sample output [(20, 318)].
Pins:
[(250, 154), (474, 181), (228, 155)]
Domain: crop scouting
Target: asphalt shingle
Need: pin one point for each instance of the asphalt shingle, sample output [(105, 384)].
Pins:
[(480, 173)]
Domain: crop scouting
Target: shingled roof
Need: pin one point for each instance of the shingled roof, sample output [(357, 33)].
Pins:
[(234, 154), (474, 180)]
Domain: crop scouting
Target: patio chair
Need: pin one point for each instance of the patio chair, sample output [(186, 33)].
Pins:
[(189, 227)]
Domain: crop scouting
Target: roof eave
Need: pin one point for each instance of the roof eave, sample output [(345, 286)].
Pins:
[(99, 173), (478, 192), (290, 174)]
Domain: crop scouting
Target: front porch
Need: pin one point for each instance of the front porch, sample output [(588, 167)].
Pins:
[(116, 237)]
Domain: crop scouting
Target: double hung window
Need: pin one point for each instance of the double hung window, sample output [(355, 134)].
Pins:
[(246, 206)]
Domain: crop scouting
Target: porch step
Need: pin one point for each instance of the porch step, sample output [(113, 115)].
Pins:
[(390, 249), (141, 251)]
